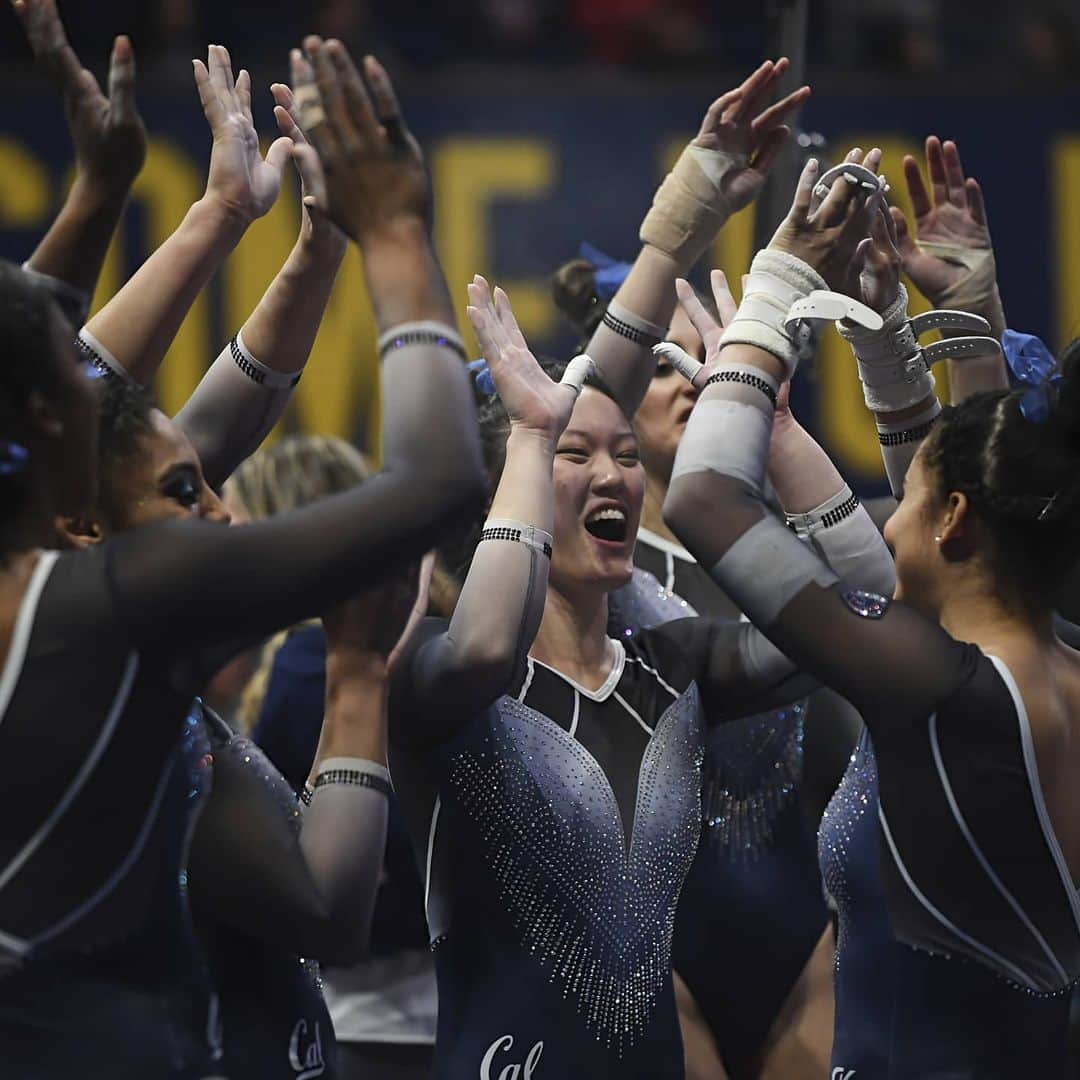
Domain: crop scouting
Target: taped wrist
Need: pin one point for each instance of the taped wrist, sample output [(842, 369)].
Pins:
[(844, 535), (901, 439), (690, 207), (74, 303), (776, 281), (100, 357), (977, 291), (766, 568), (728, 432)]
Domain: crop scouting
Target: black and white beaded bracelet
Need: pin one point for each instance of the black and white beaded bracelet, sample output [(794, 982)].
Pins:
[(626, 324), (742, 378), (831, 512), (352, 778), (257, 372), (424, 332), (518, 532)]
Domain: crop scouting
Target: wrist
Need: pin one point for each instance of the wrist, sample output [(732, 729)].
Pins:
[(91, 195), (531, 439), (354, 668), (316, 256), (403, 232), (211, 211)]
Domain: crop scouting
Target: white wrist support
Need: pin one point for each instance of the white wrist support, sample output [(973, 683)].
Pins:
[(100, 357), (690, 206), (775, 283), (894, 368)]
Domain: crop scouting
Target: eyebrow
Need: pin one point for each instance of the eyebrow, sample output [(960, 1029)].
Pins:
[(178, 467)]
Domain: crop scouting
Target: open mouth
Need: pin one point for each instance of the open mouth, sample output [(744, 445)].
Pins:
[(608, 525)]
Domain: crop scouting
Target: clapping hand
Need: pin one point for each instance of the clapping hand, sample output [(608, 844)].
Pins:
[(534, 402), (240, 179), (107, 132)]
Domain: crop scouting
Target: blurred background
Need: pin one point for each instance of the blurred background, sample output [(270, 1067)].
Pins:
[(550, 122)]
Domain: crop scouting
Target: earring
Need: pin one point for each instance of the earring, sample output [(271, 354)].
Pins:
[(938, 539)]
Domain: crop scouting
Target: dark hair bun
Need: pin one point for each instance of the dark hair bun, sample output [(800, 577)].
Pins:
[(1068, 398), (573, 288)]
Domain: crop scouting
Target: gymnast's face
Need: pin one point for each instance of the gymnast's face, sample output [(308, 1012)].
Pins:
[(599, 486), (162, 482), (661, 419), (910, 535)]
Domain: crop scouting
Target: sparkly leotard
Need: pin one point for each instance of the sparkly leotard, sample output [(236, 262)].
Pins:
[(904, 1013), (756, 861), (558, 826)]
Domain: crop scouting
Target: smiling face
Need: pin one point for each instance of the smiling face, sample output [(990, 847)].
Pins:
[(163, 481), (661, 419), (599, 486)]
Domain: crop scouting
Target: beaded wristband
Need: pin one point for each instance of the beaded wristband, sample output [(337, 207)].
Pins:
[(626, 324), (914, 429), (100, 357), (529, 535), (829, 513), (352, 772), (424, 332), (743, 378), (260, 373)]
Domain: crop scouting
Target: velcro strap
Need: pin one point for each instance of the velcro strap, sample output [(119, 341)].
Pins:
[(950, 320), (960, 348), (831, 307)]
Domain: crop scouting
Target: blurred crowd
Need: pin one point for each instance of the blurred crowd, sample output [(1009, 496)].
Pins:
[(1040, 39)]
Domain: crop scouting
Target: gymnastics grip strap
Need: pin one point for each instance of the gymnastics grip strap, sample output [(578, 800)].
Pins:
[(690, 206)]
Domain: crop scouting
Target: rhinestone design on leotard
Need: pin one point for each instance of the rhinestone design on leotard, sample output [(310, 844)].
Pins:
[(753, 769), (868, 605), (598, 919), (856, 796), (643, 602)]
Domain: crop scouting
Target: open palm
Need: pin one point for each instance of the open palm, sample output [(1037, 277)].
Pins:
[(531, 398), (245, 182)]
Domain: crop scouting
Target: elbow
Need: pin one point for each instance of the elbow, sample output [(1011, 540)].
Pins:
[(685, 508)]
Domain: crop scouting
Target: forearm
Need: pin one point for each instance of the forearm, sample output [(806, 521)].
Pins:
[(249, 385), (800, 471), (636, 319), (137, 326), (354, 717), (73, 250)]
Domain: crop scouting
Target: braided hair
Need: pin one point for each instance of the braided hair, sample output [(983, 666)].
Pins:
[(1022, 477)]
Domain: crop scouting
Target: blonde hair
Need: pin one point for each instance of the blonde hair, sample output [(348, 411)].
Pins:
[(294, 472)]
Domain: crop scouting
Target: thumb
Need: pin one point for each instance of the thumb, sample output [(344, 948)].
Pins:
[(280, 152)]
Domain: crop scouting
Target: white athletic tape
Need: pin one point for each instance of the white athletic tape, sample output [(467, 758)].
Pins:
[(686, 365), (577, 371)]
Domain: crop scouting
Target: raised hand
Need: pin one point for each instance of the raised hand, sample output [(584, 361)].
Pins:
[(709, 328), (533, 401), (317, 231), (954, 217), (874, 273), (245, 183), (827, 238), (107, 132), (375, 173), (738, 124)]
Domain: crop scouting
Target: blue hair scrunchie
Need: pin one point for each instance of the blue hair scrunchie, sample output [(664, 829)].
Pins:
[(1032, 365), (610, 273), (13, 458), (481, 374)]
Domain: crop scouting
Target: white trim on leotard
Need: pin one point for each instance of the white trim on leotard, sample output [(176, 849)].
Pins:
[(663, 544), (983, 861), (430, 852), (998, 960), (24, 624), (655, 674), (634, 713), (604, 690), (1031, 763), (112, 718)]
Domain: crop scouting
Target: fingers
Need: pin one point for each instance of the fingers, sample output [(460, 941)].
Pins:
[(904, 241), (920, 197), (357, 99), (332, 96), (725, 302), (714, 115), (804, 192), (778, 113), (309, 105), (954, 175), (211, 103), (506, 317), (122, 81), (387, 108), (279, 154), (700, 318), (577, 371), (243, 95), (975, 204), (757, 88), (770, 148), (935, 165), (679, 359), (737, 106), (306, 159)]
